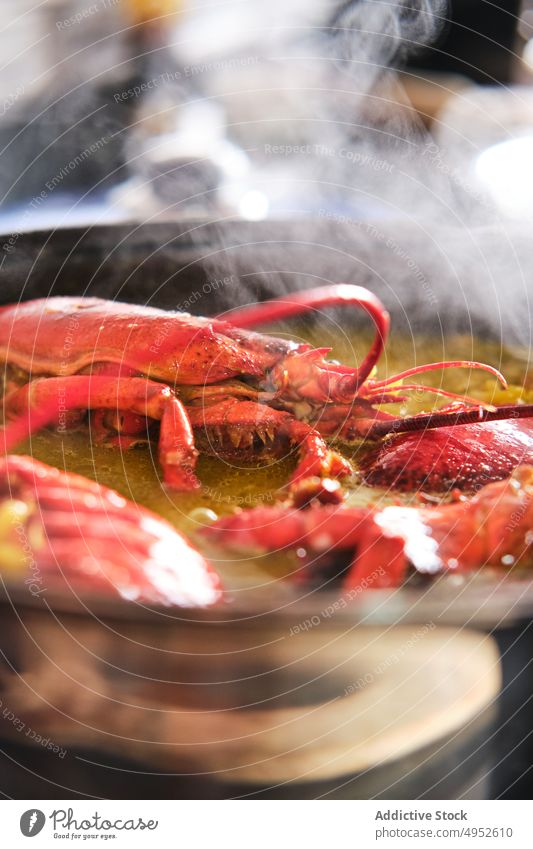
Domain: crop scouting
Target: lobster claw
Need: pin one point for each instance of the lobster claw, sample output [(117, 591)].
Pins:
[(58, 528)]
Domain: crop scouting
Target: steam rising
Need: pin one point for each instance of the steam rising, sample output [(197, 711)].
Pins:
[(312, 92), (384, 206), (376, 34)]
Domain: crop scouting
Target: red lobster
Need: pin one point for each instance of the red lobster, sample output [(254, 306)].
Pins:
[(241, 393), (494, 528), (57, 528)]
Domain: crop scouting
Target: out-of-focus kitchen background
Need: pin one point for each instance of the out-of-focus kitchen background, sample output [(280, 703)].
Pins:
[(150, 109)]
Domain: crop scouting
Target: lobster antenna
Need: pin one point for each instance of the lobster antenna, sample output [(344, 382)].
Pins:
[(312, 299), (450, 419), (444, 364)]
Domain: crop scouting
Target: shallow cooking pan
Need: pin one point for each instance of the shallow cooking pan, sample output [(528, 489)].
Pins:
[(291, 696)]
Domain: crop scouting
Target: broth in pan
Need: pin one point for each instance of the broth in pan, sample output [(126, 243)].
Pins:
[(226, 485)]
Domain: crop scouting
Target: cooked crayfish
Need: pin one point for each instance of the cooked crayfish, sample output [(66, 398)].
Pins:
[(59, 529), (242, 394), (494, 528)]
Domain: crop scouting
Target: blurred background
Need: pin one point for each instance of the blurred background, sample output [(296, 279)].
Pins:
[(121, 109)]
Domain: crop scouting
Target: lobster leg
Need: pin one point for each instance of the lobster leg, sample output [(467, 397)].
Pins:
[(317, 465), (234, 428), (46, 401), (312, 300), (122, 430)]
